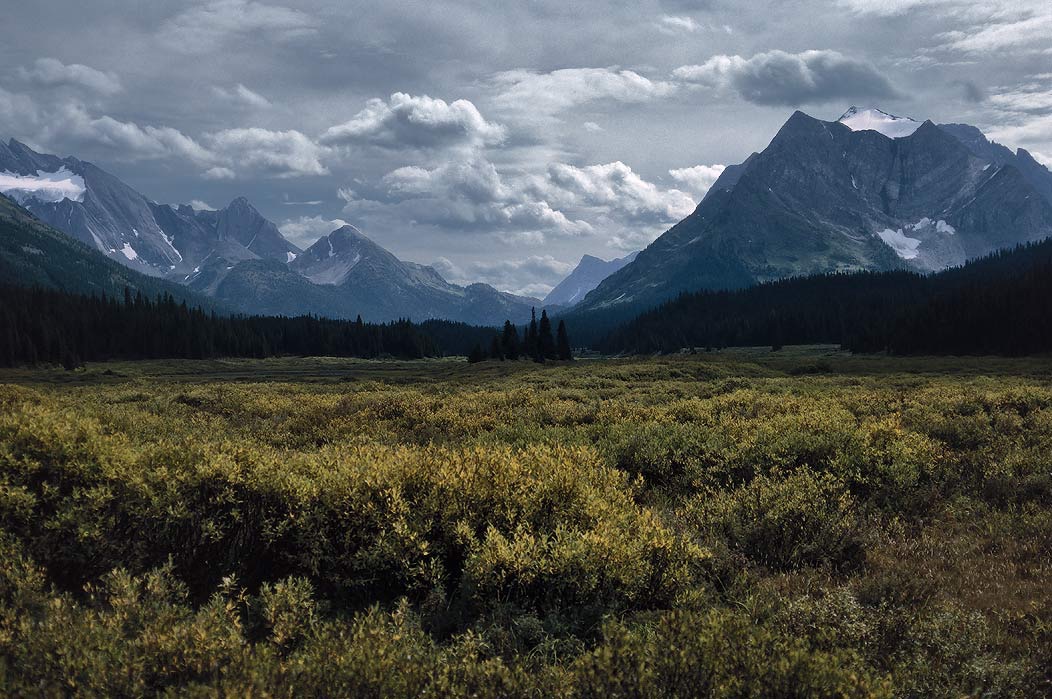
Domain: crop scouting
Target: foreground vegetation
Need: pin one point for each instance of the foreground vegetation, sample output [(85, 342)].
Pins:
[(728, 525)]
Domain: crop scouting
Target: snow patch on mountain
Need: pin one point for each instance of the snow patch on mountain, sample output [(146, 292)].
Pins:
[(129, 252), (875, 120), (903, 245), (44, 186)]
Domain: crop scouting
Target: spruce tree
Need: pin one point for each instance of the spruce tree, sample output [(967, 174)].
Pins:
[(531, 335), (510, 341), (495, 351), (562, 342), (545, 340)]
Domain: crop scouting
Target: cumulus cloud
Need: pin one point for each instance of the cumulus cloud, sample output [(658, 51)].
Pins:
[(697, 179), (535, 275), (780, 78), (242, 95), (471, 194), (615, 187), (562, 202), (50, 72), (199, 205), (1036, 131), (127, 140), (305, 230), (210, 26), (559, 90), (277, 153), (407, 121), (261, 151)]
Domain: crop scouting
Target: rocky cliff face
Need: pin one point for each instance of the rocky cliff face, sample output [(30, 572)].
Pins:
[(100, 210), (590, 271), (823, 197)]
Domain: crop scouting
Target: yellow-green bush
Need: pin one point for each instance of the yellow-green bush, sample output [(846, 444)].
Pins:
[(784, 521)]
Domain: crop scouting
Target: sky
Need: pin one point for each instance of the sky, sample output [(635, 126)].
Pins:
[(497, 141)]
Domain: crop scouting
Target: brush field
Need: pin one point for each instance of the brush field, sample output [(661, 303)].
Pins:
[(734, 524)]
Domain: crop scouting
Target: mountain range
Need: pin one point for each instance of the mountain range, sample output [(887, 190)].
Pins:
[(870, 191), (238, 257)]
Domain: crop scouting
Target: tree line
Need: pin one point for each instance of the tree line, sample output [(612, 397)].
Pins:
[(56, 327), (994, 305), (537, 342)]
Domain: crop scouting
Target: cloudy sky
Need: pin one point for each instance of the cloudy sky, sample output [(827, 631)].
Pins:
[(498, 141)]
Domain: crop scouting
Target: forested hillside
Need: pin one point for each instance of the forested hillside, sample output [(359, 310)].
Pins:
[(996, 305), (54, 327), (33, 253)]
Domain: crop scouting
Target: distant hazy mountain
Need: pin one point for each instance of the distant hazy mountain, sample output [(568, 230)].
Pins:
[(236, 255), (380, 285), (842, 196), (585, 277)]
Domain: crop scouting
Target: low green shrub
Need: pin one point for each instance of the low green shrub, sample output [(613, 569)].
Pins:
[(784, 522)]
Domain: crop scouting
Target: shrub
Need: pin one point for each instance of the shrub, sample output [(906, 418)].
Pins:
[(784, 521)]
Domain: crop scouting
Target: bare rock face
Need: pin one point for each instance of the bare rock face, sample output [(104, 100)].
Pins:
[(827, 197), (103, 212), (587, 275)]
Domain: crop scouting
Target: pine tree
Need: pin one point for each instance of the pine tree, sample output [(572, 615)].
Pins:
[(562, 342), (495, 351), (477, 355), (531, 335), (510, 341), (545, 340)]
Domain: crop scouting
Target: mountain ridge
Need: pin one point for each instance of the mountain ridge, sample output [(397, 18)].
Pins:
[(235, 254), (823, 197)]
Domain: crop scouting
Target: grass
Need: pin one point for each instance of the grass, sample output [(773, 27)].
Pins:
[(735, 523)]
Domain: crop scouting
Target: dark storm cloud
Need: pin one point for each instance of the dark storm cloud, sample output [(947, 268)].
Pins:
[(780, 78)]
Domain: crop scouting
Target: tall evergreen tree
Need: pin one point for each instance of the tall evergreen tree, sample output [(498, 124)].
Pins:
[(562, 343), (531, 335), (545, 340), (510, 341), (495, 350)]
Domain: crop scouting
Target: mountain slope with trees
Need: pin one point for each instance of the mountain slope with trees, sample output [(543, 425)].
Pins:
[(996, 305), (33, 253)]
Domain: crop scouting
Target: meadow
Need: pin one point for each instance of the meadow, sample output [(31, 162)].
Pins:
[(730, 524)]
